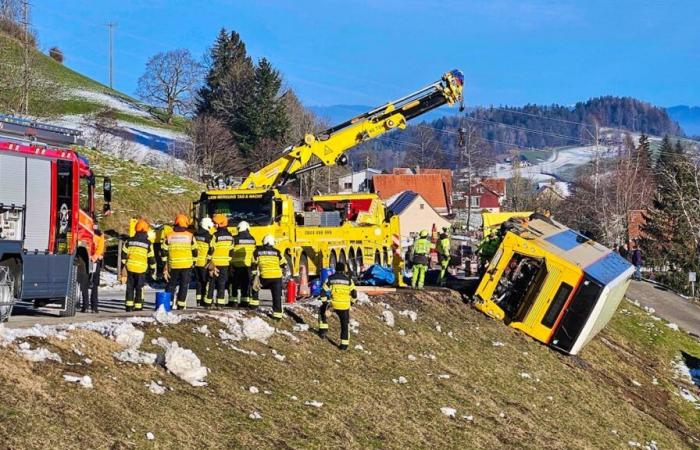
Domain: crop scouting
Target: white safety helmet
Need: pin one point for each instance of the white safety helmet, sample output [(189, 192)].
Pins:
[(269, 240), (243, 226), (206, 223)]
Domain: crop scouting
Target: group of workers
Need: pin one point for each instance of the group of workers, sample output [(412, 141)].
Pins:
[(420, 259), (221, 262), (236, 265)]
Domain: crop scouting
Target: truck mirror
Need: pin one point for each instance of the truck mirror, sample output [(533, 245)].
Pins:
[(107, 194)]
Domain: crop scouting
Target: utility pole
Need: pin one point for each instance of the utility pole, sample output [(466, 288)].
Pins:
[(111, 26), (25, 59)]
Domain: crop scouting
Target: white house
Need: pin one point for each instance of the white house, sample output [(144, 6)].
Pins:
[(415, 214), (357, 181)]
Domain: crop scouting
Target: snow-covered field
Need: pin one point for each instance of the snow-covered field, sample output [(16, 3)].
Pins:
[(568, 157), (110, 101)]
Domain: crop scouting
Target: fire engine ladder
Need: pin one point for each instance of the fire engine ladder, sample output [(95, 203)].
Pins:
[(36, 133)]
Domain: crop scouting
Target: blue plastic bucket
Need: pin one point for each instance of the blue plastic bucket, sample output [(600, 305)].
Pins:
[(165, 299), (325, 273)]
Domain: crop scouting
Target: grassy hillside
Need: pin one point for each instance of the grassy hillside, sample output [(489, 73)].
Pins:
[(63, 79), (508, 391), (139, 190)]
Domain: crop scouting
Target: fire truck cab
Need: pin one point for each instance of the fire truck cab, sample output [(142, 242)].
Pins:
[(47, 214)]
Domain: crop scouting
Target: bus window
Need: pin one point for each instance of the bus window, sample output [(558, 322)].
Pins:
[(557, 304)]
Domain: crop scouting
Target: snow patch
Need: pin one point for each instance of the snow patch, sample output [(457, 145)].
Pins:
[(400, 380), (497, 343), (447, 411), (135, 356), (300, 327), (314, 403), (85, 381), (388, 317), (185, 365), (40, 354), (672, 326), (257, 329), (126, 335), (362, 298), (255, 416), (156, 388), (688, 396), (166, 318), (150, 436), (253, 390), (410, 314)]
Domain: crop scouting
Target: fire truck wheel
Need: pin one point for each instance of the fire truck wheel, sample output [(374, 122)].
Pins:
[(7, 297), (73, 297)]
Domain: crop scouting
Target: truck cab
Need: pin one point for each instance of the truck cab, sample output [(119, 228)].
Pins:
[(47, 214)]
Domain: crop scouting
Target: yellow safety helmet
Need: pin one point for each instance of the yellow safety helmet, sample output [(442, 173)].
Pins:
[(423, 233)]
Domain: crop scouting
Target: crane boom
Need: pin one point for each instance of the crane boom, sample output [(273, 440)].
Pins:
[(329, 146)]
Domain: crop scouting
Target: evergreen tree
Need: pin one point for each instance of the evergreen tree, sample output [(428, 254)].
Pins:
[(264, 111), (666, 152), (644, 150)]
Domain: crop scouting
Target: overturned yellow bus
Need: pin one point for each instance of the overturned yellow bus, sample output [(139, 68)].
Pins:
[(553, 283)]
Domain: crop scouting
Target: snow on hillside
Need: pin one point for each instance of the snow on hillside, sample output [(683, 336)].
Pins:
[(110, 101), (141, 143)]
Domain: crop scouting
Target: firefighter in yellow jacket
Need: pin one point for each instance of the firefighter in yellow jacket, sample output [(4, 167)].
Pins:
[(269, 265), (203, 238), (179, 250), (220, 250), (241, 263), (421, 258), (138, 258), (341, 290)]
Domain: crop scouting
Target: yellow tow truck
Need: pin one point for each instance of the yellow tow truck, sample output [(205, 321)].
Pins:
[(354, 228)]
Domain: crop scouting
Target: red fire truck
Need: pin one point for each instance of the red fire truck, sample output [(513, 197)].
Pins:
[(47, 213)]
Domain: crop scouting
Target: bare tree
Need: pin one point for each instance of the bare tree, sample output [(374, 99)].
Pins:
[(423, 149), (170, 81), (210, 149)]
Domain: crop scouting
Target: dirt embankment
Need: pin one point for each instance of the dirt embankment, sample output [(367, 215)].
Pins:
[(452, 378)]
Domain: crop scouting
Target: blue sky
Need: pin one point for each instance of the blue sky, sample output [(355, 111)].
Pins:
[(367, 52)]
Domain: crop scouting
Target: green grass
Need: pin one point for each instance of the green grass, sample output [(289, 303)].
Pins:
[(139, 190), (66, 79), (583, 402)]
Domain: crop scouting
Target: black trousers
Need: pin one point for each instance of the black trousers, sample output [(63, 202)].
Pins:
[(275, 287), (95, 286), (343, 316), (134, 289), (180, 280), (202, 276), (240, 280), (83, 279), (218, 286)]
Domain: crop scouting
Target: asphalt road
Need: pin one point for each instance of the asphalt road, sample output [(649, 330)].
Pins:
[(668, 305), (111, 305)]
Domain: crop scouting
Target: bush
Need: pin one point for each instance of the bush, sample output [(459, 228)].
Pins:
[(56, 54), (16, 30)]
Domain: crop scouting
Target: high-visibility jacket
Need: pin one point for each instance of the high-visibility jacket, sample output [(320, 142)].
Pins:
[(421, 248), (269, 261), (220, 247), (341, 290), (99, 242), (243, 248), (179, 249), (203, 239), (443, 245), (139, 255)]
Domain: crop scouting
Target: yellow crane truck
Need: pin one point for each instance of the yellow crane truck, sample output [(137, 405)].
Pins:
[(354, 228)]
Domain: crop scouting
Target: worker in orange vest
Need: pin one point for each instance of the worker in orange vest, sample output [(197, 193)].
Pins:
[(98, 240), (179, 250)]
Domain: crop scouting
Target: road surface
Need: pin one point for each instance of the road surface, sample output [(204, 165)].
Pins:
[(668, 305), (111, 305)]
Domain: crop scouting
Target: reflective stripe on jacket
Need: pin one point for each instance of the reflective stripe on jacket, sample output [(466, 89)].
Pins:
[(421, 247), (220, 247), (342, 291), (244, 246), (203, 239), (269, 262), (179, 248), (139, 255)]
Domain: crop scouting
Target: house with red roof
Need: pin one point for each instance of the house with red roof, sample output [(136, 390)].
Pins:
[(433, 185)]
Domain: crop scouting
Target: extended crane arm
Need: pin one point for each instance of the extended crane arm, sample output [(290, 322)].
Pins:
[(329, 146)]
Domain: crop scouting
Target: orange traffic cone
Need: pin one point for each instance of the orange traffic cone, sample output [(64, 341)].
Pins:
[(304, 290)]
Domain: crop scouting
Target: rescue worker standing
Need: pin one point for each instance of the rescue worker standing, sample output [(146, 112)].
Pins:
[(203, 239), (98, 257), (268, 263), (220, 250), (179, 250), (139, 257), (443, 251), (421, 249), (341, 290), (243, 248)]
